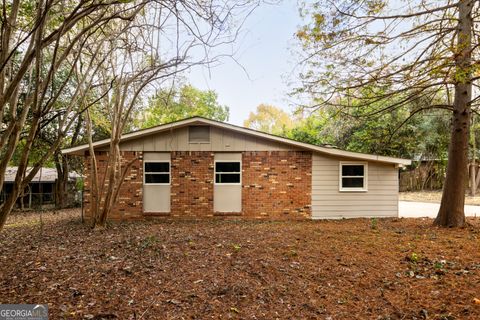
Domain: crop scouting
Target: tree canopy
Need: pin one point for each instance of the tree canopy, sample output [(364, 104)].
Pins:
[(270, 119), (388, 54), (180, 103), (67, 64)]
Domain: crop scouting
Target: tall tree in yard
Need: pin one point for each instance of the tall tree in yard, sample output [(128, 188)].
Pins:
[(155, 47), (54, 51), (397, 52), (42, 44)]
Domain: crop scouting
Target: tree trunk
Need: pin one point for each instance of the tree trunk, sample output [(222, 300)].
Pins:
[(61, 164), (94, 189), (451, 213), (473, 168), (477, 178)]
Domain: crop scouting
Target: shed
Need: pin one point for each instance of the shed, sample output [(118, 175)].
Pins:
[(199, 167), (40, 191)]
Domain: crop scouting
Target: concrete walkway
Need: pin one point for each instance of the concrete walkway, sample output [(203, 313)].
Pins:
[(413, 209)]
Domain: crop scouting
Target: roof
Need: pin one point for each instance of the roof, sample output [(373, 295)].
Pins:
[(79, 150), (43, 175)]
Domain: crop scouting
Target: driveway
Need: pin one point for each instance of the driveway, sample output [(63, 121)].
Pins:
[(413, 209)]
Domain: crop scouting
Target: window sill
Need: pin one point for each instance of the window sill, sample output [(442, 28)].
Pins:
[(352, 190)]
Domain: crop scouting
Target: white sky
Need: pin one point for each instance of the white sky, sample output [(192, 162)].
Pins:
[(265, 51)]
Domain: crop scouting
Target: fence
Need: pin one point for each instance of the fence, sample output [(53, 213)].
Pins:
[(426, 175)]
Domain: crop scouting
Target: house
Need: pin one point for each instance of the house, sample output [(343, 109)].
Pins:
[(42, 190), (198, 167)]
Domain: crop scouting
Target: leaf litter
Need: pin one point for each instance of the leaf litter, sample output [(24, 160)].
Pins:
[(241, 269)]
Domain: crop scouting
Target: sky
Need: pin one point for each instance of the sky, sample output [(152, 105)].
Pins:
[(265, 52)]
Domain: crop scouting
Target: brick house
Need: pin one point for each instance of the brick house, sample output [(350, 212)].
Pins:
[(200, 168)]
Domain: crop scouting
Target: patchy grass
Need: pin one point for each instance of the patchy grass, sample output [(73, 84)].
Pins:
[(435, 196), (222, 269)]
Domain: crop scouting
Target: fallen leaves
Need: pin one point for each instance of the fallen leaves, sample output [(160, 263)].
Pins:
[(225, 269)]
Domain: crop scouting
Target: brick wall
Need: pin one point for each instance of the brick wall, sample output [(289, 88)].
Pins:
[(192, 183), (129, 203), (277, 184)]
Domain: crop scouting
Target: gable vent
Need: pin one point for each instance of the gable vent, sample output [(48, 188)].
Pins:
[(199, 134)]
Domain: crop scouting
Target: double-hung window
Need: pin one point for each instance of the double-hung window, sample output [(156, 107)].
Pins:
[(156, 172), (353, 176), (228, 172)]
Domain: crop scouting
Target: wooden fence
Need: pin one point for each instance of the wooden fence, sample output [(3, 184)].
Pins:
[(424, 175)]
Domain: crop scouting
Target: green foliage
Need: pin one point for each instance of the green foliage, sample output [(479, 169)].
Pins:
[(408, 132), (176, 104), (414, 257), (404, 132), (79, 184), (36, 154), (270, 119), (384, 63)]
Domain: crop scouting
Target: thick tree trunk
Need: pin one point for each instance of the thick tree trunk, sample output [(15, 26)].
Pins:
[(451, 213), (61, 164)]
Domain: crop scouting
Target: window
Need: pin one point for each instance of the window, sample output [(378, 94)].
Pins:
[(156, 172), (353, 176), (199, 134), (227, 172)]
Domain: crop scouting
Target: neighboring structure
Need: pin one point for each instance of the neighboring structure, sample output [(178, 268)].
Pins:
[(199, 167), (40, 191)]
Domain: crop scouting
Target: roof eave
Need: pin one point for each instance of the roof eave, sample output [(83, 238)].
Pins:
[(80, 150)]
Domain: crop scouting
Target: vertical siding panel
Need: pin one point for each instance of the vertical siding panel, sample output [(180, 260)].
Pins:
[(221, 140)]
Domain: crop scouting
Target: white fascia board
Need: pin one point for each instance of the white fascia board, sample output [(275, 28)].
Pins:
[(198, 120)]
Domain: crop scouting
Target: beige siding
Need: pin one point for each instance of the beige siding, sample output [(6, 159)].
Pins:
[(380, 200), (220, 140)]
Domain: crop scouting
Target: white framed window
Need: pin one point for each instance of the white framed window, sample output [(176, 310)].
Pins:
[(156, 172), (228, 172), (199, 134), (353, 176)]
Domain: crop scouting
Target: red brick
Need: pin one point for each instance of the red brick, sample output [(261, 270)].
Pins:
[(275, 185)]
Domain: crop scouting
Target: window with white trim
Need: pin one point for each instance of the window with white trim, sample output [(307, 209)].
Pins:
[(228, 172), (353, 176), (156, 172)]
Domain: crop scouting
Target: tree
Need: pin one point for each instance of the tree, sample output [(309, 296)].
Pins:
[(139, 59), (184, 102), (389, 134), (42, 44), (61, 51), (270, 119), (399, 52)]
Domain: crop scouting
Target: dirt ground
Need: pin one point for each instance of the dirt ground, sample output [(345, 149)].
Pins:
[(435, 196), (230, 269)]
